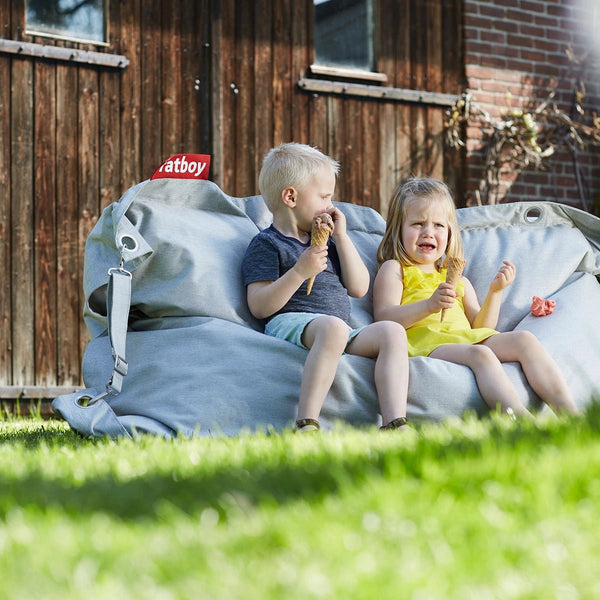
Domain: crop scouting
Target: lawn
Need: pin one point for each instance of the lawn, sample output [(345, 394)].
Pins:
[(472, 509)]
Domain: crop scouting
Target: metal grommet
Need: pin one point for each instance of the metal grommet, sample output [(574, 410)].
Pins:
[(533, 214), (84, 401), (126, 242)]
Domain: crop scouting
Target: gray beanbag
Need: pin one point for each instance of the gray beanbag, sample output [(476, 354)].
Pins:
[(199, 362)]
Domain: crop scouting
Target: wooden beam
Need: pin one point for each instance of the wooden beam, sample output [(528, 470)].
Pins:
[(375, 91), (13, 392), (103, 59)]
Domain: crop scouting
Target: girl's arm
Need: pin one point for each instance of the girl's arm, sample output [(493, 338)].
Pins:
[(387, 296), (355, 275), (487, 315)]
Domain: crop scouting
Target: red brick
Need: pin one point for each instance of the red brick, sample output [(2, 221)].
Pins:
[(478, 22), (559, 10), (534, 7), (519, 41), (531, 31), (496, 12), (544, 21), (533, 55), (493, 36), (492, 61), (508, 26), (519, 16)]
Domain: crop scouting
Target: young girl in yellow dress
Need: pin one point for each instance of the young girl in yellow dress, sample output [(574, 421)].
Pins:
[(410, 289)]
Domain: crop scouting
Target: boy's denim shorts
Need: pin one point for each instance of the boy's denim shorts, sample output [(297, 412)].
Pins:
[(290, 327)]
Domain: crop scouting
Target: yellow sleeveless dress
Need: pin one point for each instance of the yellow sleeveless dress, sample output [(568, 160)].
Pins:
[(428, 334)]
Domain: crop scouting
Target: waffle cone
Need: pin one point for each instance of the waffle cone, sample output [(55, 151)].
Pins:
[(322, 228), (454, 271)]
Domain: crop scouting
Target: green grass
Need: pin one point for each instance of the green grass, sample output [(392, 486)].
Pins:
[(479, 510)]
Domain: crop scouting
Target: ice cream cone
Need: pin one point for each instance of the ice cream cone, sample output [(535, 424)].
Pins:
[(322, 228), (455, 267)]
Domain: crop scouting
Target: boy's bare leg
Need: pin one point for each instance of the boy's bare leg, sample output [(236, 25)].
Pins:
[(326, 337), (386, 342), (539, 367), (494, 384)]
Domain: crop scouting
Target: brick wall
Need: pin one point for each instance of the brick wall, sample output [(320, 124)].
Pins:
[(519, 46)]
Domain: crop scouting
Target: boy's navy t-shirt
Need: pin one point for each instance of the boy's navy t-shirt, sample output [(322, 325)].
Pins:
[(271, 254)]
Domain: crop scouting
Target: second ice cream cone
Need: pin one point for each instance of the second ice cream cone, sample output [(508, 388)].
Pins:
[(454, 271)]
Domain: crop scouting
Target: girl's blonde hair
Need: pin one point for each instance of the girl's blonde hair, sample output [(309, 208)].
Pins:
[(290, 165), (424, 189)]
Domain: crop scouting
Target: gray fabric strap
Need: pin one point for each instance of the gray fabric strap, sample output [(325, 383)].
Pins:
[(118, 299)]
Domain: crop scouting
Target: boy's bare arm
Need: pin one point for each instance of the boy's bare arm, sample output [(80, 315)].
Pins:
[(355, 275), (265, 298)]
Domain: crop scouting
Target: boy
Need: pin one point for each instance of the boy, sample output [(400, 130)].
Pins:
[(297, 183)]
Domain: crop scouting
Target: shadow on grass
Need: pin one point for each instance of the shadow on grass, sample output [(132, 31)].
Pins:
[(233, 488)]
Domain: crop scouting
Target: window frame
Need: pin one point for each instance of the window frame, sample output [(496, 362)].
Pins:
[(65, 38), (318, 69)]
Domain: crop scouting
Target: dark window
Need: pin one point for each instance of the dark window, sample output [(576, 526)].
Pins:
[(79, 20), (344, 34)]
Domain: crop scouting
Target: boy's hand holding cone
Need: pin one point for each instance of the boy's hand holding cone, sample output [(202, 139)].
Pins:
[(322, 228), (455, 267)]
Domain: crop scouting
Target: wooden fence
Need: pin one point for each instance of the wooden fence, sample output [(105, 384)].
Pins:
[(229, 78)]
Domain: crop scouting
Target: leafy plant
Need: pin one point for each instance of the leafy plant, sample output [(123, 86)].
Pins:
[(528, 137)]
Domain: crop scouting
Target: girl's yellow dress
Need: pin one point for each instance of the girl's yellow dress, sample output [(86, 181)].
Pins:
[(429, 333)]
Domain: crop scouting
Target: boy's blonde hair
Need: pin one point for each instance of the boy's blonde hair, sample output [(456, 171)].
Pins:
[(425, 189), (290, 165)]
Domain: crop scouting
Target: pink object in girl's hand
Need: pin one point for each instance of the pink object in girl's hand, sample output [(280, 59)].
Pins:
[(541, 307)]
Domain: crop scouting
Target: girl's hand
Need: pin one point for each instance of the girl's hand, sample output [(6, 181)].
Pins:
[(339, 221), (504, 277), (443, 297), (311, 262)]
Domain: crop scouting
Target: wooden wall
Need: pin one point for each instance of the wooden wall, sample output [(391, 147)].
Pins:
[(265, 47), (208, 76)]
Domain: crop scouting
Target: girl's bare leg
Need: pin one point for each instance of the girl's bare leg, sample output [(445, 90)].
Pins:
[(541, 371), (386, 342), (494, 384)]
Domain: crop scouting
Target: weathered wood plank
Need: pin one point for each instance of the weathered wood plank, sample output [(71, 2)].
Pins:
[(171, 97), (10, 392), (151, 114), (22, 243), (45, 223), (370, 156), (55, 53), (109, 95), (351, 172), (88, 164), (434, 144), (245, 174), (195, 77), (215, 90), (420, 97), (300, 60), (69, 267), (130, 95), (386, 37), (452, 81), (5, 202), (318, 122), (229, 96), (263, 116), (403, 79)]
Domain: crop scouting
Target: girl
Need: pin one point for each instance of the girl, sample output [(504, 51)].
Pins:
[(410, 289)]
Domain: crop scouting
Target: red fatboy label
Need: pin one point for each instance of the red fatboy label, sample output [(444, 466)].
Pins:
[(184, 166)]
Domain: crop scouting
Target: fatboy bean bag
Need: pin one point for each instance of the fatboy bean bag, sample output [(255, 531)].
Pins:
[(196, 361)]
